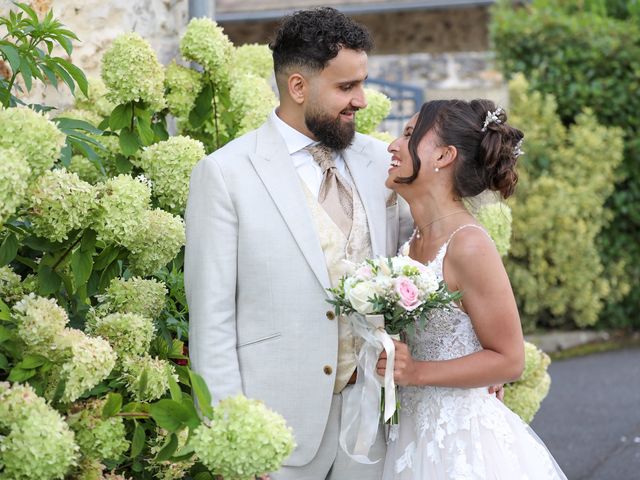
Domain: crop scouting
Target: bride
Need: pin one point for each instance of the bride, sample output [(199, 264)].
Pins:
[(450, 426)]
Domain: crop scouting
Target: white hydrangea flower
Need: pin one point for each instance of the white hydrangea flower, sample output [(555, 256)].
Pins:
[(35, 138), (496, 218), (14, 181), (128, 333), (156, 242), (40, 322), (252, 100), (132, 73), (206, 43), (378, 107), (169, 164), (88, 361), (244, 439), (145, 297), (184, 85), (59, 202), (254, 59), (97, 100), (36, 442), (122, 203), (158, 372)]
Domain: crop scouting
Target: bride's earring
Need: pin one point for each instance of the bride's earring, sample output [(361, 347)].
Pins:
[(436, 169)]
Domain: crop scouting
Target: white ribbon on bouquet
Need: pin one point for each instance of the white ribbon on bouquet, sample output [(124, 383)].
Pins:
[(361, 408)]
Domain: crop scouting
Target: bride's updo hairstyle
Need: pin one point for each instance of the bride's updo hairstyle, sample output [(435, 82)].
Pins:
[(487, 146)]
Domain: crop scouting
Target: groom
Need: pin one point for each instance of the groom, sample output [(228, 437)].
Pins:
[(270, 218)]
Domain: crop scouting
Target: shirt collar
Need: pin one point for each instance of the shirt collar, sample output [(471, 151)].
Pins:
[(294, 139)]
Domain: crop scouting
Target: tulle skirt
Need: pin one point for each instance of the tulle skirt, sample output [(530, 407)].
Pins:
[(463, 434)]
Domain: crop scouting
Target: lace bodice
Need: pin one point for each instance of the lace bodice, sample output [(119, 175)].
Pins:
[(448, 333)]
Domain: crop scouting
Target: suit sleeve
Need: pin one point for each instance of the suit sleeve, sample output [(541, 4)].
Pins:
[(210, 280)]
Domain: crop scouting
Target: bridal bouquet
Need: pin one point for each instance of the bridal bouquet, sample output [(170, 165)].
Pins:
[(398, 288), (381, 297)]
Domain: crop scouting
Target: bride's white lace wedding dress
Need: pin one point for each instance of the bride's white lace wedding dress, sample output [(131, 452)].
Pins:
[(459, 433)]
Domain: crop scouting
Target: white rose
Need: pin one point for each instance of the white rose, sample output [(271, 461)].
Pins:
[(359, 297)]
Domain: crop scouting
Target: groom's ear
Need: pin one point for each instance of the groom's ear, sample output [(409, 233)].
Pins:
[(297, 87)]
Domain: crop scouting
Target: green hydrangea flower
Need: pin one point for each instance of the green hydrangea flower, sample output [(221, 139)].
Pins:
[(60, 202), (35, 138), (385, 137), (206, 43), (496, 218), (252, 100), (39, 444), (97, 100), (132, 73), (244, 439), (122, 203), (168, 164), (157, 241), (86, 362), (128, 333), (184, 85), (11, 288), (14, 176), (85, 169), (40, 322), (98, 438), (145, 297), (89, 469), (156, 371), (378, 107), (525, 396), (254, 59)]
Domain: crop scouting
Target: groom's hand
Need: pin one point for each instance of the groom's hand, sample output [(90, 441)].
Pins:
[(404, 367)]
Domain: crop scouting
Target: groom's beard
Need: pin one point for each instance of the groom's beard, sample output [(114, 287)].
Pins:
[(334, 133)]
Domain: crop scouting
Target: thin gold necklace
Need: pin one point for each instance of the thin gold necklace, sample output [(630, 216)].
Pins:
[(419, 229)]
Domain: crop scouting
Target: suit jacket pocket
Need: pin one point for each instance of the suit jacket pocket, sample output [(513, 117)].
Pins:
[(273, 336)]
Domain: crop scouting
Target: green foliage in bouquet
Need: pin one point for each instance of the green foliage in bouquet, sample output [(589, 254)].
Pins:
[(525, 396), (546, 41), (556, 269)]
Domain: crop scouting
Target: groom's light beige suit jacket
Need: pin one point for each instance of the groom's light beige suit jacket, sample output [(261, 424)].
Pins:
[(256, 278)]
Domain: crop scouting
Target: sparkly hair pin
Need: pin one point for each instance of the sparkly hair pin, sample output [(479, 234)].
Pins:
[(517, 150), (492, 117)]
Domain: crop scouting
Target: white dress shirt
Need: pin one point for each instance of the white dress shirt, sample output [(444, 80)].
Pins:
[(308, 169)]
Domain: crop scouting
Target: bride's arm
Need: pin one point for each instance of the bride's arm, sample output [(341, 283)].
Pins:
[(473, 266)]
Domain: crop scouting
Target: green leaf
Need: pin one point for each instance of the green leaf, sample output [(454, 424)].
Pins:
[(143, 127), (160, 130), (129, 143), (121, 117), (8, 249), (202, 393), (169, 414), (81, 266), (48, 280), (138, 441), (168, 449), (5, 312), (57, 64), (88, 241), (11, 54), (4, 363), (108, 255), (108, 274), (144, 381), (50, 75), (76, 73), (202, 108), (20, 375), (30, 362), (174, 388), (68, 125), (5, 334), (112, 405)]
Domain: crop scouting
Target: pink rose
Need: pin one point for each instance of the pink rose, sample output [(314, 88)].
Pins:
[(409, 293), (364, 273)]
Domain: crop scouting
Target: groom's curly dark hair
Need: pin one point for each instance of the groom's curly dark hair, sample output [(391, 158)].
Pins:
[(311, 38)]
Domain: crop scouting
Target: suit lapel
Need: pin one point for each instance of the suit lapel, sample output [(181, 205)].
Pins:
[(272, 163), (372, 198)]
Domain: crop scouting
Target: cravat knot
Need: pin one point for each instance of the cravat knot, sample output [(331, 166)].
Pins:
[(323, 156)]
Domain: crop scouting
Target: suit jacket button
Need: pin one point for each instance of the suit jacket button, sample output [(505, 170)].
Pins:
[(328, 370), (331, 315)]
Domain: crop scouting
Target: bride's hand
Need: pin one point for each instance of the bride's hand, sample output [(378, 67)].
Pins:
[(404, 366)]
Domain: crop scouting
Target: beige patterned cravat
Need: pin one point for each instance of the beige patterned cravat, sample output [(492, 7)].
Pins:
[(335, 193)]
